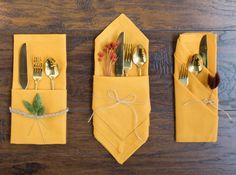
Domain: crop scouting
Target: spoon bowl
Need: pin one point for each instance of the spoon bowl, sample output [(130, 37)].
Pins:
[(51, 70), (139, 57), (195, 64)]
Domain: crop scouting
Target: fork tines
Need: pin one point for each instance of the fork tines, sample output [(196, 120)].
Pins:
[(37, 64), (37, 70), (183, 74), (128, 58)]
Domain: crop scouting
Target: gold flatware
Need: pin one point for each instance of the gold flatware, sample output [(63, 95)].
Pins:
[(37, 71), (139, 57), (197, 61), (183, 75), (51, 70), (195, 64), (128, 58)]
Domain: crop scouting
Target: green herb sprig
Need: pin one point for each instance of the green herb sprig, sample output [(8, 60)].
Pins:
[(36, 107)]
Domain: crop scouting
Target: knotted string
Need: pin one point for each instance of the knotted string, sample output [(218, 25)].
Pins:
[(209, 101), (37, 117), (127, 101)]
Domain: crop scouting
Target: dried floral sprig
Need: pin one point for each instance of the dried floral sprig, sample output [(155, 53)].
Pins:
[(108, 56), (213, 82), (37, 107)]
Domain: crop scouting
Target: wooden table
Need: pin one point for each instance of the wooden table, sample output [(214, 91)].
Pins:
[(82, 20)]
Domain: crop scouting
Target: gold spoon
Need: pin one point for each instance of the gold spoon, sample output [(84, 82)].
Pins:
[(139, 57), (195, 64), (51, 70)]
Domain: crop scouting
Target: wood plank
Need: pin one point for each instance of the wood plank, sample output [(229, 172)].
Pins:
[(61, 16)]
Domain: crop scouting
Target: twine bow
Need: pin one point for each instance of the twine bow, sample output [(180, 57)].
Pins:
[(209, 101), (37, 117), (127, 101)]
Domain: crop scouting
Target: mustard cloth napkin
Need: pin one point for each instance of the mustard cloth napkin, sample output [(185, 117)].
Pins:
[(196, 121), (50, 130), (121, 128)]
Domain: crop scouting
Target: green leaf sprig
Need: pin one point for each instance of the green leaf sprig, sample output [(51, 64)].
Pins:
[(37, 107)]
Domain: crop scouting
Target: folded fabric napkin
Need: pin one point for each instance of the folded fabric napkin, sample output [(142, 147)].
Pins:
[(196, 118), (121, 105), (48, 129)]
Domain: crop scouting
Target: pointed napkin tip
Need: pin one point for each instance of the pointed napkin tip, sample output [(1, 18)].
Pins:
[(122, 15)]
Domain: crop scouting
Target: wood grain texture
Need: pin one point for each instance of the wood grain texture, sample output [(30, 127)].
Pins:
[(82, 21)]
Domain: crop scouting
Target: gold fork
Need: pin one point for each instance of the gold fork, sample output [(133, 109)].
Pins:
[(183, 75), (37, 70), (128, 58)]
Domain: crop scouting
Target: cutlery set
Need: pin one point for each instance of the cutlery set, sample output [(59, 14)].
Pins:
[(51, 69), (127, 54), (195, 63)]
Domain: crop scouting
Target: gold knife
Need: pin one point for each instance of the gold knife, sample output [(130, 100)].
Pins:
[(203, 50), (23, 77), (119, 65)]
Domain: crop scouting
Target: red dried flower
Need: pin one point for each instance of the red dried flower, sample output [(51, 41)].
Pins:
[(109, 54), (99, 58), (114, 60), (114, 45), (101, 54), (113, 56), (108, 46)]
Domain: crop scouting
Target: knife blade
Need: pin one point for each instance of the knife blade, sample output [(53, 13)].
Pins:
[(203, 50), (23, 77), (119, 65)]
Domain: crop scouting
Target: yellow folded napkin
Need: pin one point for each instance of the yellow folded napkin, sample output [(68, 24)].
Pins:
[(50, 129), (196, 119), (121, 105)]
